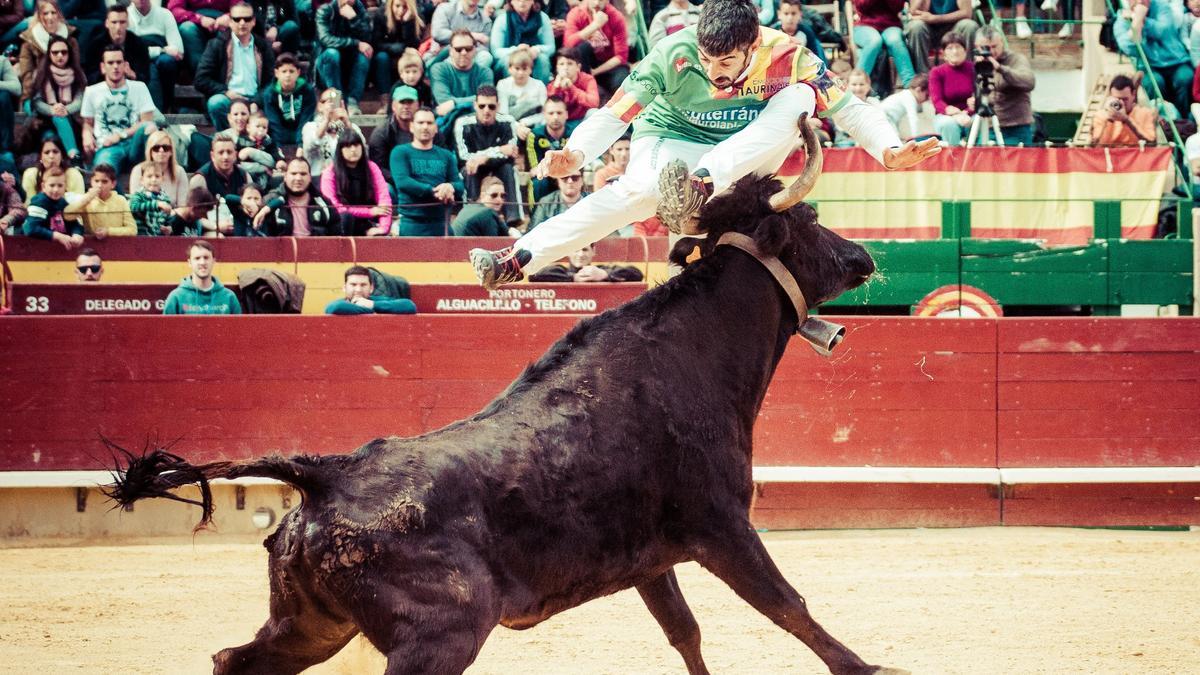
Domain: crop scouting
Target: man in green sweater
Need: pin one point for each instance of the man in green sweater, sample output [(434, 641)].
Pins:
[(426, 178), (360, 299), (201, 292)]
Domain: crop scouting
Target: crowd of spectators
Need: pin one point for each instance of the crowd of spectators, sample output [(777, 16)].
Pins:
[(473, 93)]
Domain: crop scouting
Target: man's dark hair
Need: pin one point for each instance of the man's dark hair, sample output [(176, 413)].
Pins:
[(105, 170), (1120, 82), (567, 53), (200, 243), (797, 3), (119, 8), (726, 26), (286, 59), (426, 109), (357, 271), (461, 32), (553, 99), (110, 47), (486, 91), (89, 252)]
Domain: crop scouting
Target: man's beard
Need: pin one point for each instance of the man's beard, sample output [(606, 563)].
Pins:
[(295, 193)]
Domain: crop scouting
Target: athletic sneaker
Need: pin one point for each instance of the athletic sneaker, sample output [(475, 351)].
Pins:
[(1066, 31), (681, 194), (495, 268), (1023, 30), (1049, 5)]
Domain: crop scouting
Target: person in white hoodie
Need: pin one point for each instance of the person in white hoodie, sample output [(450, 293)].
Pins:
[(156, 26)]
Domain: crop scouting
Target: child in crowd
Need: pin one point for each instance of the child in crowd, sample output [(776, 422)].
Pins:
[(104, 212), (192, 220), (45, 218), (257, 153), (521, 95), (288, 102), (412, 72), (244, 207), (151, 207), (859, 85)]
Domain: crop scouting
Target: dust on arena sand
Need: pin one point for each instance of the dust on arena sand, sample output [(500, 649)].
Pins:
[(1019, 600)]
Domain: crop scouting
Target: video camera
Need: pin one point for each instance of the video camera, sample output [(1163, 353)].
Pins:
[(985, 83)]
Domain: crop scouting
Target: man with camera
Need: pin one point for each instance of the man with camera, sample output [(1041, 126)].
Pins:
[(1004, 79), (1121, 121)]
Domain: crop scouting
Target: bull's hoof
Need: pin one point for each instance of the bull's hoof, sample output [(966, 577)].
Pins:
[(891, 671)]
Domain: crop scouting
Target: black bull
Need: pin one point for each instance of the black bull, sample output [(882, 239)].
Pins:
[(623, 451)]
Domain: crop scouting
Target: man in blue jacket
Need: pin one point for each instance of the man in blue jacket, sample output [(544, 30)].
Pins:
[(201, 292), (360, 299)]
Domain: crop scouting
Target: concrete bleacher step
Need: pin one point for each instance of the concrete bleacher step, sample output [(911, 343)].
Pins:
[(1047, 51)]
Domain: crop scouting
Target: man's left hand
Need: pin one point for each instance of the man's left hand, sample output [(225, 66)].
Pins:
[(910, 154), (363, 302)]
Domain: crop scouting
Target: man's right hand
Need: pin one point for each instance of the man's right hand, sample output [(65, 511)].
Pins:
[(347, 11), (444, 192), (208, 23), (558, 163), (599, 19)]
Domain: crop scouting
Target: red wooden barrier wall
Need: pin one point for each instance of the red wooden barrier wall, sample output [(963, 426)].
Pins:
[(900, 392)]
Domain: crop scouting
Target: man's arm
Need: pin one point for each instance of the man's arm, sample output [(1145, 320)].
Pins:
[(403, 179), (386, 305), (1017, 74), (325, 35)]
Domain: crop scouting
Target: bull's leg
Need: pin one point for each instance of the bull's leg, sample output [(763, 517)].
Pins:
[(738, 558), (666, 603), (296, 636)]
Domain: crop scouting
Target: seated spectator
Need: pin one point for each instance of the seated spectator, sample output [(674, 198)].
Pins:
[(357, 191), (397, 27), (521, 96), (117, 115), (44, 218), (58, 88), (297, 209), (858, 84), (487, 146), (615, 164), (412, 73), (343, 52), (151, 207), (1159, 27), (522, 25), (557, 10), (34, 41), (235, 65), (289, 102), (550, 135), (426, 178), (12, 207), (243, 207), (198, 22), (570, 191), (160, 151), (582, 269), (10, 96), (792, 22), (321, 135), (200, 145), (465, 16), (221, 176), (277, 22), (201, 292), (104, 213), (156, 26), (598, 32), (396, 131), (952, 90), (456, 80), (575, 87), (1121, 121), (258, 155), (89, 266), (1013, 79), (930, 20), (193, 219), (116, 32), (51, 156), (484, 218), (879, 26), (360, 297), (910, 111), (677, 15)]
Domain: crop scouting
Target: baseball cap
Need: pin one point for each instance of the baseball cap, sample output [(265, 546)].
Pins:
[(404, 92)]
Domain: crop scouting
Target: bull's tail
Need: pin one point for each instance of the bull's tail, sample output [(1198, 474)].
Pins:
[(157, 473)]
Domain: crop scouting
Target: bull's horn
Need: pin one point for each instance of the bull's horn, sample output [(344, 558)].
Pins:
[(792, 195)]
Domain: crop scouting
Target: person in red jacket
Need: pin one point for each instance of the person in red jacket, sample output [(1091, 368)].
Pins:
[(576, 88), (597, 30)]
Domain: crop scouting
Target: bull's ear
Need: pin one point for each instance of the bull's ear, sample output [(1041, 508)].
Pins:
[(685, 251), (773, 233)]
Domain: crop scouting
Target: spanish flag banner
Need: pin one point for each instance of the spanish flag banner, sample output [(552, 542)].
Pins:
[(1025, 193)]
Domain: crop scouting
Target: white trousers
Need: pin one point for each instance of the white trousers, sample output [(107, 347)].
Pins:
[(760, 148)]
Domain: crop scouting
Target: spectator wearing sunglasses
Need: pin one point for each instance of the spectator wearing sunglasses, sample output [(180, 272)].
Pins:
[(235, 66), (456, 80), (462, 16), (484, 218), (116, 32), (487, 146), (89, 266)]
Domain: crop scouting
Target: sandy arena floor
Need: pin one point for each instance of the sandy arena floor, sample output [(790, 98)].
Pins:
[(933, 601)]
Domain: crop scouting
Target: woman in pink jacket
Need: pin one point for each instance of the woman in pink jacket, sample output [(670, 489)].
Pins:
[(356, 189)]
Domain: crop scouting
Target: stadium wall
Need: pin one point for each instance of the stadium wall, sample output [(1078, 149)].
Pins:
[(913, 422)]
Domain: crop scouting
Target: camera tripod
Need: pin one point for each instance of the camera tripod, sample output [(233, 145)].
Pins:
[(984, 111)]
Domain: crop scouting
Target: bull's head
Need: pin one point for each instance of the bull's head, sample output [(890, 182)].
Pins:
[(823, 263)]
